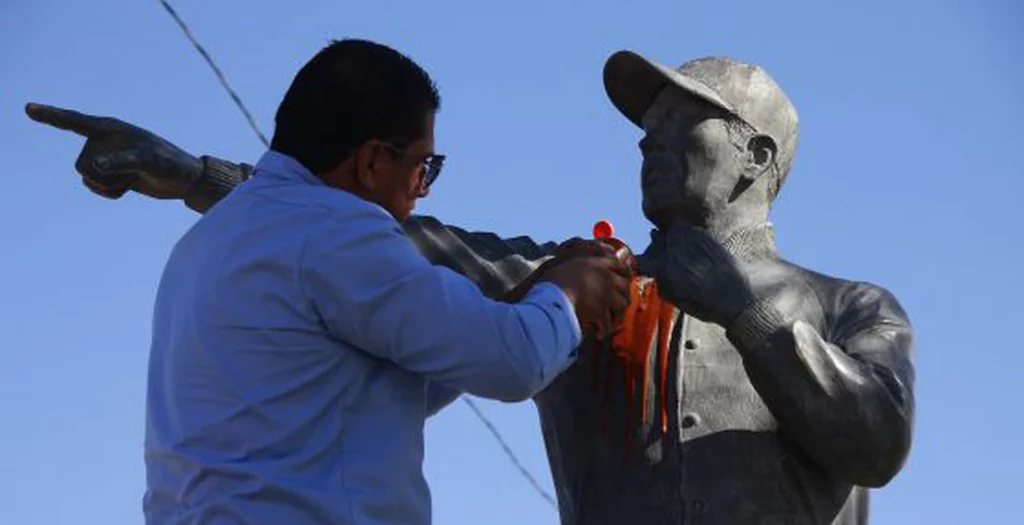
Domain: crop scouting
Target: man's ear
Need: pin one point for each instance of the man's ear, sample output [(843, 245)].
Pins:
[(368, 163), (760, 156)]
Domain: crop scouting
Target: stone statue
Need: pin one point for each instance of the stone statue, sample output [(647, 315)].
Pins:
[(746, 389)]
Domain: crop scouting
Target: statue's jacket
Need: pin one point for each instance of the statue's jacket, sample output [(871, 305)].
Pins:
[(787, 425)]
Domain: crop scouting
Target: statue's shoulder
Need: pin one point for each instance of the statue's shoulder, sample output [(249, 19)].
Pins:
[(843, 301)]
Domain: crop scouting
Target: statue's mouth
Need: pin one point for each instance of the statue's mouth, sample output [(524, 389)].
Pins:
[(659, 169), (662, 181)]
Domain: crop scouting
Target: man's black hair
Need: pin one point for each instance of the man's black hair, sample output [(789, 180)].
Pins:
[(350, 92)]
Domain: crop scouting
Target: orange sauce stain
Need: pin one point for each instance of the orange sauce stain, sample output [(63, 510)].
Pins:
[(646, 317), (631, 346)]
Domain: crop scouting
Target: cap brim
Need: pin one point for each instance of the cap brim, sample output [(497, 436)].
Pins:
[(632, 82)]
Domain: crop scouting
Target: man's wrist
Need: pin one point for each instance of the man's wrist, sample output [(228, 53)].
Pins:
[(562, 306), (539, 276), (758, 321), (520, 290)]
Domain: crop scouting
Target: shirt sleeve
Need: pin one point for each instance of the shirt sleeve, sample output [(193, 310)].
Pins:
[(376, 293)]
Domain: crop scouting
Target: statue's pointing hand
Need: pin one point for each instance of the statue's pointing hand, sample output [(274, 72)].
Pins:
[(118, 156), (697, 274)]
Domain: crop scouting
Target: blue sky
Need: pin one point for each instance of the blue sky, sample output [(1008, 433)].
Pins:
[(907, 174)]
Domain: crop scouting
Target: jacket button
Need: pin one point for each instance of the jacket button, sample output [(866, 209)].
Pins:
[(689, 421), (690, 344)]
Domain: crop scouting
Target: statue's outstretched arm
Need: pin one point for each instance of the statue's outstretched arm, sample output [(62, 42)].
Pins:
[(118, 157)]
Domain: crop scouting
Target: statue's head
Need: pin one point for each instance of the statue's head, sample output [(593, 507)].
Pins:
[(719, 134)]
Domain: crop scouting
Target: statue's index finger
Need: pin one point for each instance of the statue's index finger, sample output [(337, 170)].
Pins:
[(80, 123)]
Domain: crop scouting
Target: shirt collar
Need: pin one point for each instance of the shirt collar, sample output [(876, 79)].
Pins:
[(277, 165)]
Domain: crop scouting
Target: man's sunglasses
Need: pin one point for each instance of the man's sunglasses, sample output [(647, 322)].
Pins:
[(432, 164)]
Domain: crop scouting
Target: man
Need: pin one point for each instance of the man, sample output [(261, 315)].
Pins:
[(788, 391), (296, 328)]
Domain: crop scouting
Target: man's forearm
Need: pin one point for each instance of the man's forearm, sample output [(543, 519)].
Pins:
[(852, 413)]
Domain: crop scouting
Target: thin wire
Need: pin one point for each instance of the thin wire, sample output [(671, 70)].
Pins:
[(508, 451), (252, 123), (216, 70)]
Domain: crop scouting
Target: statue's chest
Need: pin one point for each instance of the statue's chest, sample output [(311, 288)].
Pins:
[(664, 426), (631, 441), (665, 377), (713, 392)]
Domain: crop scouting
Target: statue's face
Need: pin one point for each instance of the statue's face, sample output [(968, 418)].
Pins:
[(690, 167)]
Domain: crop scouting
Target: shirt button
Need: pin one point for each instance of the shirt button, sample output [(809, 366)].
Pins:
[(689, 421), (690, 344)]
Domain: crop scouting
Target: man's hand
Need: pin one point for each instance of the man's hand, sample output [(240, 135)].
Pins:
[(598, 286), (574, 247), (578, 246), (697, 274), (118, 156)]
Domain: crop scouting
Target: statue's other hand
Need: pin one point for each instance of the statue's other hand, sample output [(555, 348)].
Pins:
[(698, 275), (118, 156)]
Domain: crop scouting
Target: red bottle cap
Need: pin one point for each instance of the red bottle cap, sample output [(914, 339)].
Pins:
[(603, 230)]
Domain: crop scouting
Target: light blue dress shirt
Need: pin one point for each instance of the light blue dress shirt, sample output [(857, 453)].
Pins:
[(299, 343)]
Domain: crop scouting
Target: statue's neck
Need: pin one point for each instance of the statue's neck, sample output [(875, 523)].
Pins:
[(752, 243), (745, 239)]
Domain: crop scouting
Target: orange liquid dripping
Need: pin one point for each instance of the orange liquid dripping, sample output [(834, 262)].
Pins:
[(666, 313), (631, 346), (633, 342)]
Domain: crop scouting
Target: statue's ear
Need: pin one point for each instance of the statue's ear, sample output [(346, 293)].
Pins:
[(760, 156)]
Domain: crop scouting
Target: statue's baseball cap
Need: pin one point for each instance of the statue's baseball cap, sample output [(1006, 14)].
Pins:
[(743, 90)]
